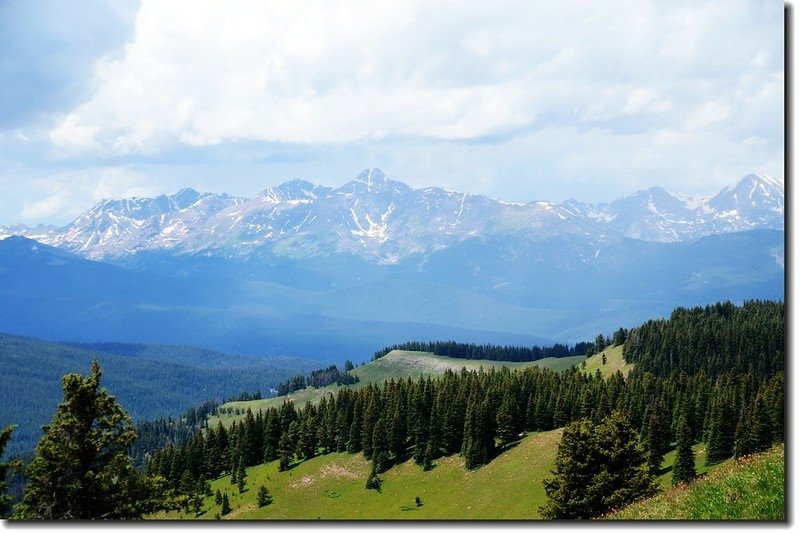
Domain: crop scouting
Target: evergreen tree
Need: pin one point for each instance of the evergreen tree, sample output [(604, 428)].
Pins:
[(264, 497), (506, 428), (82, 469), (656, 439), (598, 468), (380, 447), (683, 470), (226, 504), (240, 476), (285, 452), (218, 497), (373, 481), (306, 441)]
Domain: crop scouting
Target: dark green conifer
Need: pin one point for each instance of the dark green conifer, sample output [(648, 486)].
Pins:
[(264, 496), (226, 504), (82, 469), (683, 470), (598, 468)]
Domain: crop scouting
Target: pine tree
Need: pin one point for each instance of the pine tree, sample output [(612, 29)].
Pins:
[(226, 504), (373, 481), (240, 476), (285, 452), (683, 470), (264, 497), (506, 429), (82, 469), (655, 440), (598, 468), (218, 497)]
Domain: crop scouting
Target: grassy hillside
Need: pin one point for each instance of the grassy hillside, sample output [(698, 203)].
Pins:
[(614, 362), (332, 487), (749, 489), (397, 365)]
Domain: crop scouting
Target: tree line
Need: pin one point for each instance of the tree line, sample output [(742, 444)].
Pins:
[(469, 351), (318, 379), (715, 339)]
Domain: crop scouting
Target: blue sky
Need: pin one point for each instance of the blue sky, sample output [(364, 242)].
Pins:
[(515, 99)]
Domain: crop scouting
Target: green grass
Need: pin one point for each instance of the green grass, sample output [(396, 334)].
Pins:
[(510, 487), (748, 489), (665, 477), (614, 362), (397, 365), (332, 487)]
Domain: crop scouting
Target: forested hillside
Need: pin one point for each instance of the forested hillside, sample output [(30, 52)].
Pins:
[(150, 381), (726, 400), (507, 353), (478, 414), (716, 339)]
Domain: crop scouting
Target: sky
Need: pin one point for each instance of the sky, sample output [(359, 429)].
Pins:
[(519, 100)]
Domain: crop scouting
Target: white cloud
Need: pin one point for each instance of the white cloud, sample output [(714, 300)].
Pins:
[(43, 208), (204, 73), (707, 115), (62, 196)]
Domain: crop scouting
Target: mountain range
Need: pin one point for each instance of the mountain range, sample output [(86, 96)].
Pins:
[(334, 273), (384, 220)]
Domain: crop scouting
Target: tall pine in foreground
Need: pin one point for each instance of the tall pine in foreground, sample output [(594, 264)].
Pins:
[(82, 469), (598, 468), (683, 469)]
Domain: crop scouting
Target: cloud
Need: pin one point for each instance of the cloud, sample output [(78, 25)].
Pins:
[(61, 196), (208, 73)]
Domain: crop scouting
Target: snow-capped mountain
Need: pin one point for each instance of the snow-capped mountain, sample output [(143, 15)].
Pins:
[(384, 220), (756, 201)]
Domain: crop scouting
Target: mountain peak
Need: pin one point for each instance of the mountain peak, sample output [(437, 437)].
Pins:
[(371, 176), (373, 180), (295, 190)]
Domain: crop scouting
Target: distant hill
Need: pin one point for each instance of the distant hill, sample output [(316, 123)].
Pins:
[(149, 381), (395, 365)]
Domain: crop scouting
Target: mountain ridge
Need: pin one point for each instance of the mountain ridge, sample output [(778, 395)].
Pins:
[(385, 220)]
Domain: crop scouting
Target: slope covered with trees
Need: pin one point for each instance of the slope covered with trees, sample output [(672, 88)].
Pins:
[(479, 414), (151, 381), (507, 353)]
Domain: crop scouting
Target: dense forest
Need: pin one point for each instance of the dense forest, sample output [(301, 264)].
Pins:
[(716, 339), (459, 350)]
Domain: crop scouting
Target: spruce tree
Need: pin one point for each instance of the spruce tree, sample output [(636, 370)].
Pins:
[(285, 452), (226, 504), (598, 468), (81, 469), (655, 440), (683, 469), (240, 476), (264, 497), (373, 481)]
